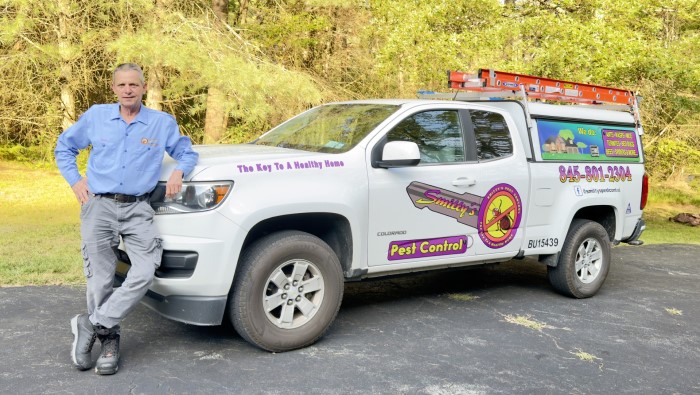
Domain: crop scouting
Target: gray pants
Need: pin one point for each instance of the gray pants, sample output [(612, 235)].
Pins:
[(103, 221)]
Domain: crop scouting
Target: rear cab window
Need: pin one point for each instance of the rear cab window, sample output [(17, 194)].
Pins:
[(491, 135)]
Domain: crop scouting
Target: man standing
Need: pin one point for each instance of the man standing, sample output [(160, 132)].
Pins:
[(128, 141)]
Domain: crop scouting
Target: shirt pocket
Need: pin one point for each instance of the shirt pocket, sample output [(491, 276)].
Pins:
[(102, 155), (147, 158)]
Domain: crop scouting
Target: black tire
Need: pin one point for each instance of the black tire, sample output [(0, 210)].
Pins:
[(266, 277), (584, 260)]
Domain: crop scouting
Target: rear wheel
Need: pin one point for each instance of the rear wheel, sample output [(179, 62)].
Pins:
[(287, 291), (584, 260)]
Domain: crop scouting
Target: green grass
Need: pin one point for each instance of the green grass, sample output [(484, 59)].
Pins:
[(40, 226), (666, 200)]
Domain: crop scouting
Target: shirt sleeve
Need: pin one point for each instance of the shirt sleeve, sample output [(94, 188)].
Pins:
[(180, 148), (69, 143)]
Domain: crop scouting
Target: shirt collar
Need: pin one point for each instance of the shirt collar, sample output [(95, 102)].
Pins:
[(114, 114), (142, 116)]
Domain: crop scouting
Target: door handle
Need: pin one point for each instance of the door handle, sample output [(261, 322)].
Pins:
[(464, 182)]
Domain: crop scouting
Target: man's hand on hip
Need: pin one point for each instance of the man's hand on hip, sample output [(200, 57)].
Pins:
[(81, 191), (174, 184)]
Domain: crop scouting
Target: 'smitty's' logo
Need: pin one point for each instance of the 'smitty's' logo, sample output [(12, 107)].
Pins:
[(496, 216), (462, 207)]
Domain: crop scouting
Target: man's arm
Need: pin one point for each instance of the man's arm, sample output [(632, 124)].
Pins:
[(69, 143), (179, 148)]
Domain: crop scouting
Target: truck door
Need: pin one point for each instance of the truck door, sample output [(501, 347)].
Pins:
[(462, 201)]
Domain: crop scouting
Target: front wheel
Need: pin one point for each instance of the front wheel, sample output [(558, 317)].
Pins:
[(287, 291), (584, 260)]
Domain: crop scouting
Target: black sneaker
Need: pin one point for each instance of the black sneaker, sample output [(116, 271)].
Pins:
[(83, 339), (108, 362)]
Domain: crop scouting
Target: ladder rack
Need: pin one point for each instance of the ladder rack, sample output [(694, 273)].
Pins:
[(498, 83)]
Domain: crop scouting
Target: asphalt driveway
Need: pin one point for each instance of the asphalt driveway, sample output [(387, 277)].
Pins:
[(496, 330)]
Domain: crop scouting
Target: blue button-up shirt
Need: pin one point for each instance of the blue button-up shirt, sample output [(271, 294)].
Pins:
[(125, 157)]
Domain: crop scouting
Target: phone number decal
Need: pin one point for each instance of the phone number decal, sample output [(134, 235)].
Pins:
[(595, 174)]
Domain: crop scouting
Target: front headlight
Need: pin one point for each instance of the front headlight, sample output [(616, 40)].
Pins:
[(194, 197)]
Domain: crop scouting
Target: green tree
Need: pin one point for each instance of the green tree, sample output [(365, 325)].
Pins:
[(57, 60), (268, 59), (48, 54), (322, 38), (197, 52), (566, 134), (415, 42)]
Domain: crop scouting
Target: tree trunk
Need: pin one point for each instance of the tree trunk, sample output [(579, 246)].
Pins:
[(220, 8), (154, 97), (154, 93), (66, 70), (216, 118), (242, 12), (215, 122)]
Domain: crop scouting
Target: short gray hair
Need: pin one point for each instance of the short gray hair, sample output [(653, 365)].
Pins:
[(127, 67)]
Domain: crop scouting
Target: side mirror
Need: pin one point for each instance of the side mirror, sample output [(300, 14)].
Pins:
[(399, 154)]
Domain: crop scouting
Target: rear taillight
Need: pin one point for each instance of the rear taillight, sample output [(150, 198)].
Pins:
[(645, 191)]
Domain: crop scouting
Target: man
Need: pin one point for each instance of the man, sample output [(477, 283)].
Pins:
[(128, 141)]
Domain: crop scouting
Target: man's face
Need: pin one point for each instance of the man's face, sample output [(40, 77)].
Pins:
[(128, 88)]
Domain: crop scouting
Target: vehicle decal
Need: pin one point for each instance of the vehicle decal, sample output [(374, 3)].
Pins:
[(391, 233), (289, 165), (496, 216), (544, 242), (581, 191), (499, 216), (421, 248), (620, 143), (586, 142), (611, 173), (599, 191), (462, 207)]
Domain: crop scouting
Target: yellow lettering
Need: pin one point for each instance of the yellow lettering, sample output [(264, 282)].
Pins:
[(423, 247)]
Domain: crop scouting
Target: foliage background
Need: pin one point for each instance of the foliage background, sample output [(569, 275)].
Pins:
[(254, 63), (230, 69)]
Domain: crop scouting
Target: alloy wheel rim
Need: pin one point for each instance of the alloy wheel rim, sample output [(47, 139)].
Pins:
[(293, 293), (589, 260)]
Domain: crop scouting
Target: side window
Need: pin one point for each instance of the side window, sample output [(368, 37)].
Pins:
[(492, 135), (438, 135)]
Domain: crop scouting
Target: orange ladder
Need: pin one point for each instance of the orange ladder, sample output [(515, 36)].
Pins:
[(487, 80)]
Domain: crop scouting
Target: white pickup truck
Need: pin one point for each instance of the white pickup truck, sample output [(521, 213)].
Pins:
[(265, 234)]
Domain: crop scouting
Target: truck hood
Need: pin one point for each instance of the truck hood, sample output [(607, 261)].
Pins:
[(232, 155)]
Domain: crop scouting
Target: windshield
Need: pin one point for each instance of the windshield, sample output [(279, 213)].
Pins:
[(332, 128)]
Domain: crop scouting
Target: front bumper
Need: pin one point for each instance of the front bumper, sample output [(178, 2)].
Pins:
[(196, 271), (197, 310)]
